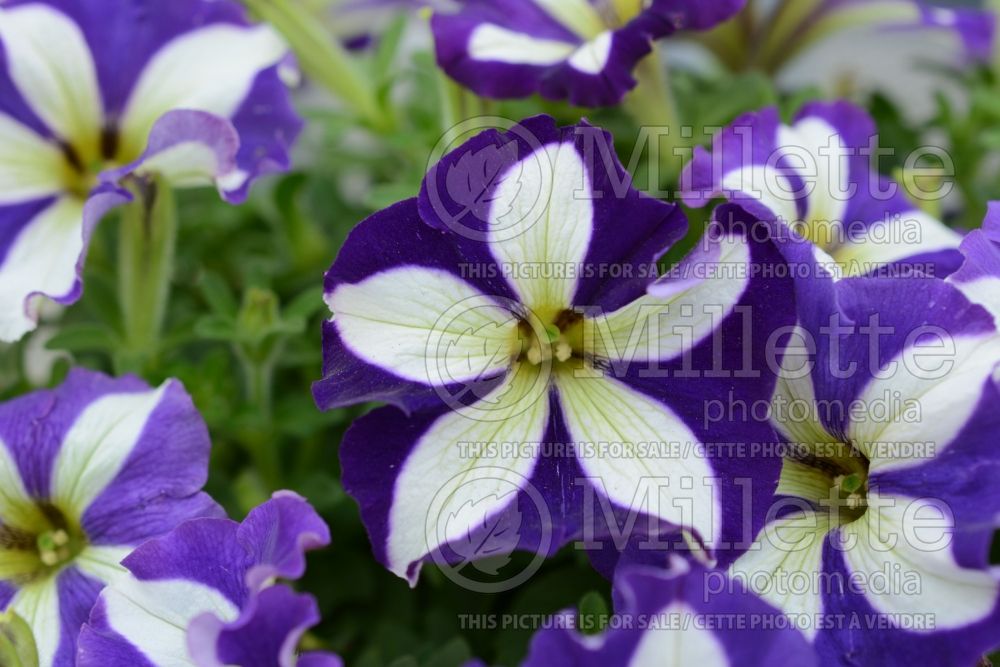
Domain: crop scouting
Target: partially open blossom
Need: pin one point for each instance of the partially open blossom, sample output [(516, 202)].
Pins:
[(206, 595), (516, 306), (878, 544), (979, 277), (685, 616), (94, 93), (817, 177), (580, 50), (88, 472)]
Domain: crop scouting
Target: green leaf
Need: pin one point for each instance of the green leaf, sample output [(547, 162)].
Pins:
[(218, 295), (84, 337)]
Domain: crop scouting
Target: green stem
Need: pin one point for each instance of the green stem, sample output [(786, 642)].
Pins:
[(652, 105), (147, 241), (261, 443), (323, 59)]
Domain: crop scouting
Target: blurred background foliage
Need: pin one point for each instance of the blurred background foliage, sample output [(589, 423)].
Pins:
[(243, 328)]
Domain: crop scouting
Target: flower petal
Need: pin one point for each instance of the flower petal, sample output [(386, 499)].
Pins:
[(30, 166), (424, 325), (42, 248), (50, 62), (440, 492), (210, 69), (603, 410)]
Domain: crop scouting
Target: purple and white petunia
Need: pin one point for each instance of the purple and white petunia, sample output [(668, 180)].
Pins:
[(514, 316), (879, 542), (979, 277), (88, 472), (93, 93), (679, 617), (580, 50), (205, 595), (816, 176)]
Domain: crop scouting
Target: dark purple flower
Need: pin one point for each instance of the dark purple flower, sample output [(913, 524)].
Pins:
[(879, 543), (816, 177), (538, 364), (684, 616), (206, 595), (93, 92), (88, 472), (581, 50)]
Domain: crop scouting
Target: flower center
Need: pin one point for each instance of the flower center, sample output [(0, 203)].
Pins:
[(838, 476), (549, 342), (48, 542), (83, 162)]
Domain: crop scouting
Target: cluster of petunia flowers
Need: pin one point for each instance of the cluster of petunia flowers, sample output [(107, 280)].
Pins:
[(518, 299)]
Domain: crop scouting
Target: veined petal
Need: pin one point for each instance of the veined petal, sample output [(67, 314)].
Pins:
[(680, 311), (910, 234), (153, 616), (95, 449), (785, 547), (944, 396), (680, 491), (42, 259), (188, 148), (30, 167), (954, 596), (547, 198), (211, 69), (51, 64), (424, 325), (421, 519), (102, 563), (795, 388), (819, 151), (38, 605)]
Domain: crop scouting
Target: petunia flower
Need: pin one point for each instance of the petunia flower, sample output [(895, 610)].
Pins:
[(831, 44), (514, 307), (816, 177), (94, 94), (206, 595), (979, 277), (878, 545), (580, 50), (88, 472), (675, 618)]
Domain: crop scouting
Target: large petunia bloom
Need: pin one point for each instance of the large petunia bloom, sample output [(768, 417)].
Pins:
[(580, 50), (816, 176), (684, 616), (879, 543), (206, 595), (979, 277), (514, 317), (88, 472), (94, 93)]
